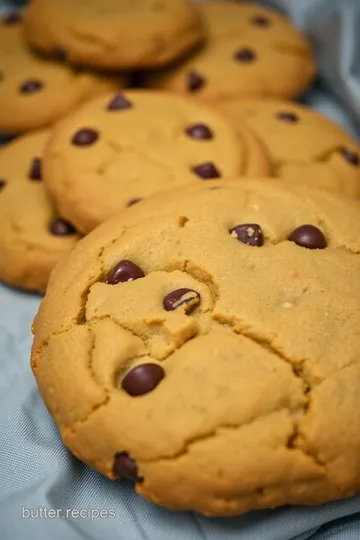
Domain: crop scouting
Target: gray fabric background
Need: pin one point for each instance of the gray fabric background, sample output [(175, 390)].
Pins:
[(37, 471)]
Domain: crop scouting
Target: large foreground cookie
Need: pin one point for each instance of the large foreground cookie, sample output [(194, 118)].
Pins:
[(251, 51), (118, 149), (35, 92), (115, 33), (305, 147), (32, 236), (206, 344)]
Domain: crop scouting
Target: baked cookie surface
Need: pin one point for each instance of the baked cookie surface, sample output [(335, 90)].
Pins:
[(251, 51), (304, 146), (120, 34), (211, 345), (32, 236), (120, 148), (35, 92)]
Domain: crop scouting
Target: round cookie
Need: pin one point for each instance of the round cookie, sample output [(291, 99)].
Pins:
[(211, 345), (32, 236), (304, 146), (120, 148), (115, 33), (35, 92), (251, 51)]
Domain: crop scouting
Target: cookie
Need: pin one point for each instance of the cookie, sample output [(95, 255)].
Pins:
[(304, 146), (114, 33), (119, 148), (206, 345), (35, 92), (33, 238), (251, 51)]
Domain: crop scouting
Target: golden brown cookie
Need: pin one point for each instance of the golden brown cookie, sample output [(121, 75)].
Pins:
[(114, 33), (304, 146), (206, 344), (35, 92), (252, 51), (120, 148), (32, 236)]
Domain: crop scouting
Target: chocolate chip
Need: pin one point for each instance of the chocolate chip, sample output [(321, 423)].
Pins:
[(126, 466), (35, 169), (206, 171), (60, 227), (142, 379), (308, 236), (249, 234), (245, 55), (260, 20), (119, 102), (12, 18), (287, 116), (2, 184), (59, 54), (85, 137), (133, 201), (123, 272), (195, 81), (199, 131), (182, 297), (29, 87), (350, 156)]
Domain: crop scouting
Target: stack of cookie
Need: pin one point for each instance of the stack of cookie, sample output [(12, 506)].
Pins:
[(213, 78), (212, 319)]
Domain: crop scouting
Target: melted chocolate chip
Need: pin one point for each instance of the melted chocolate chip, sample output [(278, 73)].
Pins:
[(125, 466), (85, 137), (134, 201), (35, 169), (123, 272), (142, 379), (245, 55), (60, 227), (201, 132), (249, 234), (206, 171), (261, 20), (31, 86), (182, 297), (195, 81), (287, 116), (309, 237), (2, 184), (350, 156), (118, 103), (12, 18)]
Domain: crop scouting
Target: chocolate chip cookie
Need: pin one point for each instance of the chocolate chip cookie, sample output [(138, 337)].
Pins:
[(304, 146), (206, 345), (251, 51), (35, 92), (120, 148), (33, 238), (114, 33)]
